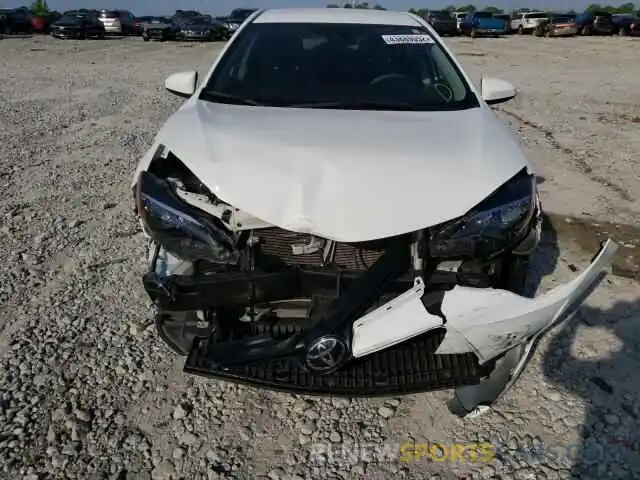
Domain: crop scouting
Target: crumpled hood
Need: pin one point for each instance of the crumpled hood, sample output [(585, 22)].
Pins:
[(344, 175)]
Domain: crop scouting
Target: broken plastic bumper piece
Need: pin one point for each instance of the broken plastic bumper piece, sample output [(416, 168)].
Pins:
[(499, 327)]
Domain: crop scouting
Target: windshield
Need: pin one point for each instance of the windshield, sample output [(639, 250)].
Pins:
[(241, 13), (562, 19), (537, 15), (199, 21), (109, 14), (327, 65), (484, 14), (441, 15), (72, 17)]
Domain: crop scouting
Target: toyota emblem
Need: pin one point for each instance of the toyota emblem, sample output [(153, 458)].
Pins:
[(326, 354)]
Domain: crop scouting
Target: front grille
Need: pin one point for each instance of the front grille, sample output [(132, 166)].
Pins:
[(276, 241)]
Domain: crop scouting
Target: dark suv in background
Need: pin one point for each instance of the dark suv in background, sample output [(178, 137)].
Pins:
[(442, 22), (15, 20), (236, 18), (595, 23), (118, 22)]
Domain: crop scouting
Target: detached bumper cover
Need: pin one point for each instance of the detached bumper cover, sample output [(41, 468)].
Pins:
[(489, 322)]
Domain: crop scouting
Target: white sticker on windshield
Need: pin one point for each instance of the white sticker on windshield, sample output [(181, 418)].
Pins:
[(407, 39)]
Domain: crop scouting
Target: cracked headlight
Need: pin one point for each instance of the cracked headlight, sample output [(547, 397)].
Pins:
[(183, 230), (497, 224)]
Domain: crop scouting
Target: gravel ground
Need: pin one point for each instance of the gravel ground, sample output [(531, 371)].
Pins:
[(88, 391)]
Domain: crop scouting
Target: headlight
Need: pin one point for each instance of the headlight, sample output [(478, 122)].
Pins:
[(185, 231), (495, 225)]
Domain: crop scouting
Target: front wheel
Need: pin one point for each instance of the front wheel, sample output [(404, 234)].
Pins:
[(520, 30), (586, 30)]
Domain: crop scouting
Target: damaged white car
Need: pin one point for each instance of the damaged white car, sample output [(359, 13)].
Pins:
[(336, 210)]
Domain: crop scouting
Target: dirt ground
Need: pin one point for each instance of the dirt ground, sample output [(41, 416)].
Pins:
[(88, 391)]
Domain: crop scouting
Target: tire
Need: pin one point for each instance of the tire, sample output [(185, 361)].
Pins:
[(473, 33), (586, 30), (622, 32), (548, 34), (145, 38), (520, 30)]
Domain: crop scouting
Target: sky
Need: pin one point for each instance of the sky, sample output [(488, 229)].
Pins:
[(222, 7)]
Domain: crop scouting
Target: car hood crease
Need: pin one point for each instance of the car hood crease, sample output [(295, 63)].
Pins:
[(346, 175)]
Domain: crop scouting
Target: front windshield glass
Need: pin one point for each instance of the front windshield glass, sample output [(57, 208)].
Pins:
[(72, 17), (199, 21), (441, 15), (327, 65)]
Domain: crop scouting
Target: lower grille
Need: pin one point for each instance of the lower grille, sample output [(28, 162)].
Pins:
[(410, 367), (278, 242)]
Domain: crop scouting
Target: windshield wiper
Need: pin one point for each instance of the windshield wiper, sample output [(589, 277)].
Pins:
[(214, 95), (359, 104)]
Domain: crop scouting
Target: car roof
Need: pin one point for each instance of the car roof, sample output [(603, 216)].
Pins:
[(336, 15)]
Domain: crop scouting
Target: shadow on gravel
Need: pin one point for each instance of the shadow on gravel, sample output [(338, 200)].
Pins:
[(544, 259), (610, 434)]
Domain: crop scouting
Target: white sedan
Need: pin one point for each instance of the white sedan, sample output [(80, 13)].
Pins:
[(335, 209)]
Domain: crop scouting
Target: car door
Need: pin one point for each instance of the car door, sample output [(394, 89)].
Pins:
[(129, 20), (93, 25)]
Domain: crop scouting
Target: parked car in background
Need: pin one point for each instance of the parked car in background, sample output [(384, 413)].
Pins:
[(442, 22), (159, 28), (78, 24), (459, 17), (482, 24), (181, 19), (15, 20), (140, 23), (557, 25), (118, 22), (526, 22), (42, 23), (203, 29), (627, 24), (236, 18), (507, 20), (595, 23)]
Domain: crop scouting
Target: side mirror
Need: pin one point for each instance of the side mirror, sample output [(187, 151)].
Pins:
[(495, 90), (182, 84)]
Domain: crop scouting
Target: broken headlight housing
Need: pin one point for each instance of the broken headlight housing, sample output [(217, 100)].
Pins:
[(496, 225), (183, 230)]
